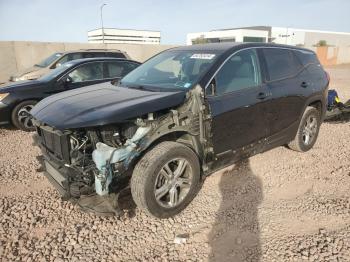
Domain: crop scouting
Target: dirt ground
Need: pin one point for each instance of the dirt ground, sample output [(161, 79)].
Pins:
[(276, 206)]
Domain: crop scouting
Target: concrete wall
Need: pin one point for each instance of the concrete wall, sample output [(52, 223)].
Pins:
[(16, 56)]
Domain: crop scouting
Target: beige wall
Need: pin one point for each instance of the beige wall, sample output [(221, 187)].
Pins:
[(16, 56)]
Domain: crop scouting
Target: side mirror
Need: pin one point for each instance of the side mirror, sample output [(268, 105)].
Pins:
[(115, 82), (66, 81), (211, 89)]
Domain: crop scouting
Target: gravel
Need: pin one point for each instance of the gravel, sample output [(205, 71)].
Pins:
[(276, 206)]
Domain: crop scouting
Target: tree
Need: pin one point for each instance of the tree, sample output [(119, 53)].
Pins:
[(200, 40), (322, 43)]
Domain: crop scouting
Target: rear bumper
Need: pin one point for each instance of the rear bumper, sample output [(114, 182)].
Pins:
[(5, 114)]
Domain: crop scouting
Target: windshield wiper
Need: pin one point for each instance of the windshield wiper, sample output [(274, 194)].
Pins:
[(142, 87)]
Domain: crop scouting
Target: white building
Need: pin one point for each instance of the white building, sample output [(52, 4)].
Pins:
[(124, 36), (279, 35)]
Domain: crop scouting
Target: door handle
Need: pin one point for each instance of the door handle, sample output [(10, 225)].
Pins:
[(262, 95), (304, 84)]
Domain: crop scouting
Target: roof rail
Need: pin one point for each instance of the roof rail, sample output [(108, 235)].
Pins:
[(99, 49)]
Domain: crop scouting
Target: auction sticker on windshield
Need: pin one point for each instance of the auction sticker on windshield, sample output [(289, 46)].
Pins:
[(203, 56)]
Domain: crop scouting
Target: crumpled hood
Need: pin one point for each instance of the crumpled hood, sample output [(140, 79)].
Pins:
[(101, 104)]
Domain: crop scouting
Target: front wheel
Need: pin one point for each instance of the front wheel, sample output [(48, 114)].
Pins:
[(166, 179), (308, 130), (21, 117)]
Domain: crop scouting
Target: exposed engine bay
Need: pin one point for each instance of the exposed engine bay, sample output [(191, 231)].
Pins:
[(96, 161)]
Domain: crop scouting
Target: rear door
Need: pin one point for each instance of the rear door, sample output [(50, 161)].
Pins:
[(238, 120), (286, 81)]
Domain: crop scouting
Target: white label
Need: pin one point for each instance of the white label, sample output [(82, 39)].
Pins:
[(203, 56)]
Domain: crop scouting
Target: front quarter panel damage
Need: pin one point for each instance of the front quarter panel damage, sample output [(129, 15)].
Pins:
[(188, 122)]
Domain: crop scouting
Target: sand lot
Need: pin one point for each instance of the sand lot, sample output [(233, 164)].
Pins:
[(276, 206)]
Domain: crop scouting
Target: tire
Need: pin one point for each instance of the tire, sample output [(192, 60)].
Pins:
[(20, 115), (151, 176), (308, 130)]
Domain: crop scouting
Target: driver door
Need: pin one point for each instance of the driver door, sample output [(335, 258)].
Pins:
[(84, 75), (236, 105)]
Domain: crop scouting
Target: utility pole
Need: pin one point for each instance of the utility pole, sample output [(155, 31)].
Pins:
[(103, 31)]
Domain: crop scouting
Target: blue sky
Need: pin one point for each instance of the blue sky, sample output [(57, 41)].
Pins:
[(69, 20)]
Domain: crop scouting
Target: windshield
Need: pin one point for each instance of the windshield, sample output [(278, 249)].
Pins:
[(56, 72), (171, 69), (47, 61)]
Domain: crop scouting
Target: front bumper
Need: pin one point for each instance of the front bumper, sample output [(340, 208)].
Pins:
[(56, 176), (5, 114)]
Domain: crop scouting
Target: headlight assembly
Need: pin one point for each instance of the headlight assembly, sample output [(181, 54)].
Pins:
[(3, 95)]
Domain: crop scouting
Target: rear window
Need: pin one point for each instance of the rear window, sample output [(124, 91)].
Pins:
[(281, 63), (306, 57)]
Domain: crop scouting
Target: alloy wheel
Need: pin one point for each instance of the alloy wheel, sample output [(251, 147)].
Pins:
[(173, 183), (310, 130), (24, 117)]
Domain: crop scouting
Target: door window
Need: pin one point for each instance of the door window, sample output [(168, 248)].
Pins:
[(239, 72), (75, 56), (116, 55), (87, 72), (281, 63), (114, 69), (61, 61), (119, 69)]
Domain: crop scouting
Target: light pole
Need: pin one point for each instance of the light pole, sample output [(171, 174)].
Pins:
[(103, 31)]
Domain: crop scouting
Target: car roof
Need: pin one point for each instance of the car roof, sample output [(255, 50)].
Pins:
[(110, 59), (223, 47), (93, 51)]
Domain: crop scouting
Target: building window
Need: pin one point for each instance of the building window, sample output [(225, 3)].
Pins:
[(253, 39), (227, 40)]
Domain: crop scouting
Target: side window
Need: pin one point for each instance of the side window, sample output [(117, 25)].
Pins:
[(114, 69), (88, 55), (128, 67), (239, 72), (119, 69), (281, 63), (306, 57), (75, 56), (87, 72), (62, 60), (115, 55)]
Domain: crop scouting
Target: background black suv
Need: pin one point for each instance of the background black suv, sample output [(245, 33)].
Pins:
[(17, 99), (178, 117)]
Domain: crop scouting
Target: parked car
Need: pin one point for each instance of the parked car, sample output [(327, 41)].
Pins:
[(57, 59), (176, 119), (17, 99)]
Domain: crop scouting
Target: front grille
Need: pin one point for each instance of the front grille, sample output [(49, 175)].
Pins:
[(55, 143)]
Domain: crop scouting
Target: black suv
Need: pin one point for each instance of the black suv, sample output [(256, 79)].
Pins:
[(177, 118), (17, 99)]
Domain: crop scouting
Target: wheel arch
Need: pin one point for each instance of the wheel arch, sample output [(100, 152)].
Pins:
[(318, 103), (179, 136)]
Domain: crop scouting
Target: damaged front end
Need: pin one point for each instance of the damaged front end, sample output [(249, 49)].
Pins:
[(92, 165)]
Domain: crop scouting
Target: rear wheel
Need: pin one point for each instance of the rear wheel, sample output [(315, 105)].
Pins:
[(166, 179), (308, 131), (21, 117)]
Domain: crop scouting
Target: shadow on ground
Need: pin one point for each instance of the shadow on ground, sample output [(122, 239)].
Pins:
[(8, 127), (340, 119), (235, 235)]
